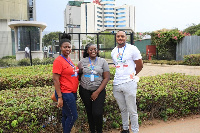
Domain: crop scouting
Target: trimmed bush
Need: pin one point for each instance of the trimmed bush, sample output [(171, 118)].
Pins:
[(19, 77), (27, 110), (24, 62), (193, 59)]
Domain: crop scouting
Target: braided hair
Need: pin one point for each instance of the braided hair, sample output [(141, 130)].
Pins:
[(85, 54), (64, 38)]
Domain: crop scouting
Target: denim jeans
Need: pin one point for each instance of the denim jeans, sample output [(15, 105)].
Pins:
[(125, 95), (69, 111)]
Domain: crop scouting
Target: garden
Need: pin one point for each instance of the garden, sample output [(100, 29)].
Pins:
[(26, 106)]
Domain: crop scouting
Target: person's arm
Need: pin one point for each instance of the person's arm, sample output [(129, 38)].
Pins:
[(80, 72), (139, 65), (57, 88), (106, 78)]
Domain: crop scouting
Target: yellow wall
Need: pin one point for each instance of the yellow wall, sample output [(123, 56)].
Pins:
[(13, 9)]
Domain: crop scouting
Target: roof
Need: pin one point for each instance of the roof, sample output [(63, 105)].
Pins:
[(14, 24)]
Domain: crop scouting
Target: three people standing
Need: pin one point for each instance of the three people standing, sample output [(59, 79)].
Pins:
[(128, 63), (94, 75)]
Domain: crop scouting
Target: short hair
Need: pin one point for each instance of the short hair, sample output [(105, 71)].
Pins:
[(122, 31), (64, 38), (85, 54)]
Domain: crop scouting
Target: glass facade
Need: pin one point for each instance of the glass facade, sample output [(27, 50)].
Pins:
[(28, 35)]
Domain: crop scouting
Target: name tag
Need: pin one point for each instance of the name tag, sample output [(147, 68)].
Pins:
[(76, 74), (92, 77)]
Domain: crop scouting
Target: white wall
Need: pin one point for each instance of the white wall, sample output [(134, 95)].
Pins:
[(5, 39)]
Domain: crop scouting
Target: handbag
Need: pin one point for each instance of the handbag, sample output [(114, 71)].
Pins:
[(53, 97)]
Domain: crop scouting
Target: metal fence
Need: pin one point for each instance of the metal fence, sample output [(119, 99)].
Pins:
[(189, 45)]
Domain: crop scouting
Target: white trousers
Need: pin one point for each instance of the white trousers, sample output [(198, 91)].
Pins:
[(125, 95)]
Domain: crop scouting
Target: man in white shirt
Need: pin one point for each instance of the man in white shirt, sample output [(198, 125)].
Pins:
[(128, 63), (45, 51), (27, 51)]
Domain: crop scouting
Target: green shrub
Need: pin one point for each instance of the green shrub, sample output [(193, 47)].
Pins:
[(162, 97), (27, 109), (171, 62), (105, 54), (19, 77), (3, 63), (24, 62), (193, 59), (9, 57), (8, 62), (36, 61), (46, 61)]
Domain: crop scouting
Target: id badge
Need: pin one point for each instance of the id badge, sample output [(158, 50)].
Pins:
[(76, 74), (92, 77)]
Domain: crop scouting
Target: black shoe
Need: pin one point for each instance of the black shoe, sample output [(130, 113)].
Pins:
[(125, 131)]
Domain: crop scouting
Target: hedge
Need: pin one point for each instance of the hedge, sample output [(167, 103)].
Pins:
[(161, 97)]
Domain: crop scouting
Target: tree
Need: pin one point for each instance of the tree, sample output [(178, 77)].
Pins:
[(166, 40), (192, 29), (197, 33), (48, 38), (107, 40)]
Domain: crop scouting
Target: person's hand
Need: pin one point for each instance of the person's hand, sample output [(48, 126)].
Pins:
[(94, 95), (60, 103)]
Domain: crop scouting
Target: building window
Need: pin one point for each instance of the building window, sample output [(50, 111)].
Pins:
[(109, 21), (99, 12), (109, 17), (99, 16), (25, 40), (121, 26), (99, 21), (109, 26), (121, 21), (120, 13), (120, 9), (99, 8), (108, 8), (108, 12), (120, 17), (109, 4)]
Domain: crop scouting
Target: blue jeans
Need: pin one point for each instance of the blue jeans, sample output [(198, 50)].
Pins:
[(69, 111)]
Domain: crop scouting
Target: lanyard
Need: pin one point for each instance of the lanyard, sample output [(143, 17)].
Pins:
[(68, 61), (92, 66), (121, 56)]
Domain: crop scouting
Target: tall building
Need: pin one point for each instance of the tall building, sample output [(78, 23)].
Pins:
[(100, 15), (13, 10)]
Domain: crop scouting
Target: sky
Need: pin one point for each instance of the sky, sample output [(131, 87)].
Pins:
[(150, 15)]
